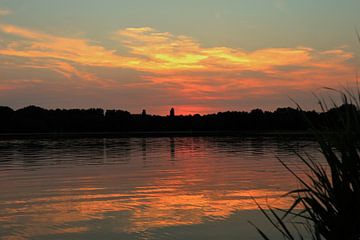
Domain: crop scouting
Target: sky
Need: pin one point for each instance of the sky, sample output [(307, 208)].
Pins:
[(198, 56)]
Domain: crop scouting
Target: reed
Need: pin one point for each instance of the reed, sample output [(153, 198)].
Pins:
[(329, 196)]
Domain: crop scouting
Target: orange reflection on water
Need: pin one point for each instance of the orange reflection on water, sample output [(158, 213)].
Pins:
[(189, 184), (182, 208), (146, 208)]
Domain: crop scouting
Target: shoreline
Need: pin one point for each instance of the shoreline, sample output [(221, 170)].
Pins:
[(141, 134)]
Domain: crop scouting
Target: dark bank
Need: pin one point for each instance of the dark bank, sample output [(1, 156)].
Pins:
[(95, 121)]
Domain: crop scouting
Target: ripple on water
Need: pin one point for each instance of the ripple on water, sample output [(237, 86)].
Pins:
[(139, 188)]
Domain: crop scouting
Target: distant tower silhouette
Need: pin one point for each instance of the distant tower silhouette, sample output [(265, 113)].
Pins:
[(172, 112), (143, 113)]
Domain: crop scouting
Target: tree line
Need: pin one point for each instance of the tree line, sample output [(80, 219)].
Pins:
[(33, 119)]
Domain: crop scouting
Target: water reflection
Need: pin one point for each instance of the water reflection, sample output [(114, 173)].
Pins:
[(172, 148), (53, 189)]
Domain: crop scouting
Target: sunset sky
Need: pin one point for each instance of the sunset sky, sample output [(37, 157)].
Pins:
[(197, 56)]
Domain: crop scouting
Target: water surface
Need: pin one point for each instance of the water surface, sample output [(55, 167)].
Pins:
[(184, 188)]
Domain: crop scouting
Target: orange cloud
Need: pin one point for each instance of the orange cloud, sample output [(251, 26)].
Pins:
[(40, 45), (183, 53), (201, 74), (157, 52), (181, 64)]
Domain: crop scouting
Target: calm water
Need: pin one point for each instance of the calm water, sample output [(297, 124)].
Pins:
[(142, 188)]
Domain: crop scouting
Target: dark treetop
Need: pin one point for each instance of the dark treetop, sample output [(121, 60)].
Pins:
[(34, 119)]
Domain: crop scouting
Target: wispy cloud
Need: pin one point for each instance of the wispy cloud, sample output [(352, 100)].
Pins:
[(41, 45), (164, 51), (5, 12), (181, 64), (200, 72), (154, 51)]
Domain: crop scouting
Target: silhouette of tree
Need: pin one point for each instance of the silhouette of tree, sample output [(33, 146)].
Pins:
[(35, 119)]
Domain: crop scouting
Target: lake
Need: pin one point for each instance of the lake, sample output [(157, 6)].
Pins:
[(185, 188)]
